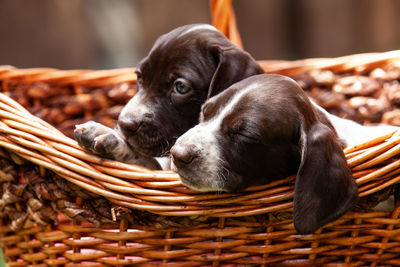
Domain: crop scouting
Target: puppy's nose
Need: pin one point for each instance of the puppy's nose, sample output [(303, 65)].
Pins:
[(182, 155), (129, 126)]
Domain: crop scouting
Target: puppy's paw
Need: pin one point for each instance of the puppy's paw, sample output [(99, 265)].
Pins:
[(98, 138), (107, 143)]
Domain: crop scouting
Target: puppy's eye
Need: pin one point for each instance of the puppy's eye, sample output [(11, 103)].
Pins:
[(247, 137), (244, 136), (181, 87)]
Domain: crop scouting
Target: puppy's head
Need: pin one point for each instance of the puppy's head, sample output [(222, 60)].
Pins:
[(184, 68), (262, 129)]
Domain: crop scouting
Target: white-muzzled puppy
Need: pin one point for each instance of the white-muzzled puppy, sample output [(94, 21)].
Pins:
[(265, 128)]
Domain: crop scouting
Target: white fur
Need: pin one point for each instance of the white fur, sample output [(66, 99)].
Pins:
[(165, 162), (137, 107), (206, 144), (230, 107), (353, 133)]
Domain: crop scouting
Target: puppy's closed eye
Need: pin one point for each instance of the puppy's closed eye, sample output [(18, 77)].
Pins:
[(244, 134)]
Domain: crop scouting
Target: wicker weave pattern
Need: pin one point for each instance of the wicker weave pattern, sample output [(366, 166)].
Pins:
[(64, 206), (251, 227), (359, 239)]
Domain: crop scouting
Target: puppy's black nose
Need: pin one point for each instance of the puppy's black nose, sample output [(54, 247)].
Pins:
[(182, 155), (129, 126)]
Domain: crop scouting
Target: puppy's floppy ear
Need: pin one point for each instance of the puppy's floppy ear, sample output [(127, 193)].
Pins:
[(325, 188), (233, 65)]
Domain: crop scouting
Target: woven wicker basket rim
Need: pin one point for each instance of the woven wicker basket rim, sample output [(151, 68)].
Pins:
[(161, 192)]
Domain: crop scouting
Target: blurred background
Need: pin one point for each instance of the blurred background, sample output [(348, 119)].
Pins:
[(103, 34)]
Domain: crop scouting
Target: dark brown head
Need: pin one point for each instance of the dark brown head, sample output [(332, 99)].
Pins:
[(262, 129), (184, 68)]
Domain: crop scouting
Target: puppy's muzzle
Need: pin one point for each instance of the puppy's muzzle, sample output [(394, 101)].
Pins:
[(183, 155), (129, 127)]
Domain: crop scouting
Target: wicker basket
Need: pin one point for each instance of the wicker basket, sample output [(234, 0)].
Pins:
[(64, 206)]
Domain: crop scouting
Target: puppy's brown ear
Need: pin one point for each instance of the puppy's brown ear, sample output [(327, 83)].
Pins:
[(233, 65), (325, 188)]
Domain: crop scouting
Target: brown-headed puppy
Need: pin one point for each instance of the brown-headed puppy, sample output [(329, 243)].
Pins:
[(184, 68), (262, 129)]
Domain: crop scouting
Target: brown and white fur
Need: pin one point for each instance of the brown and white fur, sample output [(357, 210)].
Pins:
[(265, 128)]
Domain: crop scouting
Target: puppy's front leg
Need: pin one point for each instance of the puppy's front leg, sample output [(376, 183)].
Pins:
[(106, 142)]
